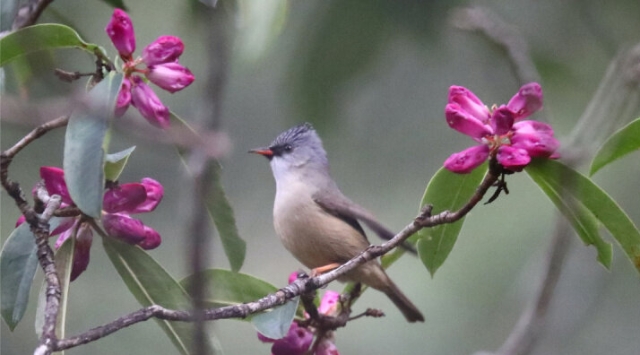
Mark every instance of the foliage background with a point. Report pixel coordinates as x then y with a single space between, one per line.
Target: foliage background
373 77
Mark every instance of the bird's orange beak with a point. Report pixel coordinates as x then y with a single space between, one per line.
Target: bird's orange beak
266 152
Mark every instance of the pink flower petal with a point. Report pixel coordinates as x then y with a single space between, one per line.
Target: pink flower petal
293 276
502 120
463 122
163 50
54 182
512 158
296 342
124 98
329 302
23 219
154 194
467 160
81 255
536 145
151 240
527 101
65 224
123 227
170 76
124 197
326 347
148 103
120 30
469 102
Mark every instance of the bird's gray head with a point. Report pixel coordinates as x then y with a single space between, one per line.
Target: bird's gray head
296 150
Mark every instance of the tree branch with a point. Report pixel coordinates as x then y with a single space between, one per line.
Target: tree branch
298 287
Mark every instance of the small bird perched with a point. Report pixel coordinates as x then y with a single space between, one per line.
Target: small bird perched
316 222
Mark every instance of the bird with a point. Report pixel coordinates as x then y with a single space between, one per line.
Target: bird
316 222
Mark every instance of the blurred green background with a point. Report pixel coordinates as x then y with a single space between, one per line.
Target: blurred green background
373 77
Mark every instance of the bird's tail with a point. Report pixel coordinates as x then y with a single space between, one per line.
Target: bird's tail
408 309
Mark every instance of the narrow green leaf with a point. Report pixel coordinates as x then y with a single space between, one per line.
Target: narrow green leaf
115 163
151 284
564 181
18 265
83 152
41 37
64 264
275 323
223 217
229 288
445 191
621 143
219 208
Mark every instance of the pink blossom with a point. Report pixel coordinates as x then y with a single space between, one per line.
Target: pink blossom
154 193
120 30
170 76
54 183
165 49
124 197
148 103
329 303
124 98
500 131
121 226
162 68
296 342
326 347
84 238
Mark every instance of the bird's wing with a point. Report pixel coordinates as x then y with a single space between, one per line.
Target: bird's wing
340 206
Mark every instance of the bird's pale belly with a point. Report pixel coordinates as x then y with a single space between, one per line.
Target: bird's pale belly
315 237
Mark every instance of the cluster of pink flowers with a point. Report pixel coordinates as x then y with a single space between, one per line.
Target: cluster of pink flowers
501 131
119 202
161 68
299 339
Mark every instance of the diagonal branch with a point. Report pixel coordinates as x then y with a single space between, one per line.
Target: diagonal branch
298 287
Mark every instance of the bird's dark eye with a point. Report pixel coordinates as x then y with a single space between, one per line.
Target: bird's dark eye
287 148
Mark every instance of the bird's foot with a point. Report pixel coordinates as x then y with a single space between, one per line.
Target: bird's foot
322 269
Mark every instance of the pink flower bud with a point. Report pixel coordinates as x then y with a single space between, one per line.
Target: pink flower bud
502 120
20 220
149 105
123 227
124 98
326 347
154 194
124 197
81 252
512 158
329 302
151 239
293 276
170 76
296 342
120 30
163 50
469 102
536 138
54 182
465 161
463 122
527 101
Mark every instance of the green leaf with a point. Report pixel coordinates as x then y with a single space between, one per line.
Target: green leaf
18 265
115 163
151 284
83 161
621 143
568 188
223 217
229 288
64 264
275 323
445 191
41 37
219 208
